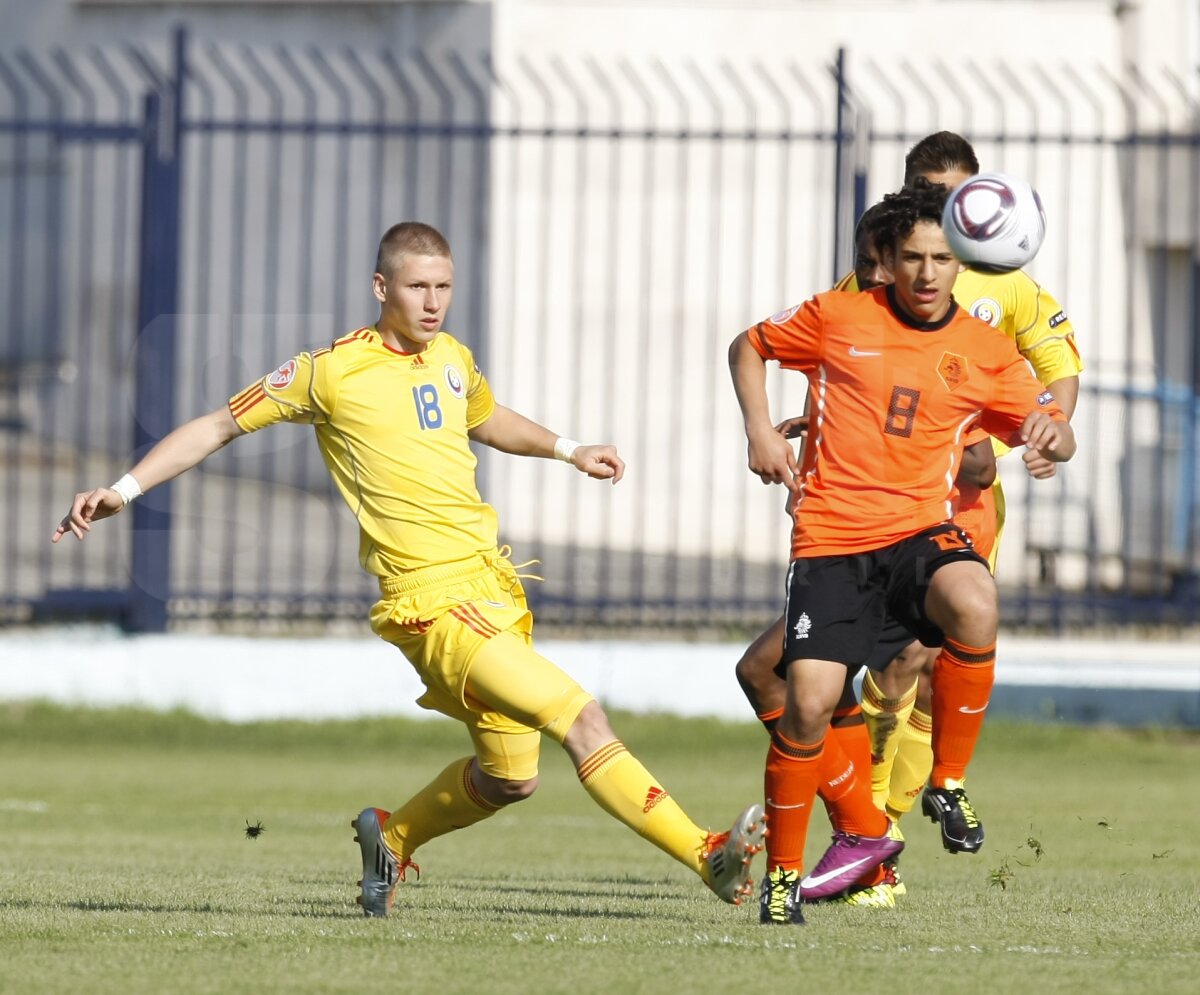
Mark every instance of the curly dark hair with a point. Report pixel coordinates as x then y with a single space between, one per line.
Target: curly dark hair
877 224
923 201
872 225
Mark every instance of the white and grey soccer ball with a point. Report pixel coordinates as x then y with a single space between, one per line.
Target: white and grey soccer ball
994 221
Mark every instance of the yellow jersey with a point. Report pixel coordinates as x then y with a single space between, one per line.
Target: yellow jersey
392 429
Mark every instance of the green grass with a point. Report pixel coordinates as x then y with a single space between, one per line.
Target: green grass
124 867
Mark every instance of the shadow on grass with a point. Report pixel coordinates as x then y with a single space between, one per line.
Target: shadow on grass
92 905
597 897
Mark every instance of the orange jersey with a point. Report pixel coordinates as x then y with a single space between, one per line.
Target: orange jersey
893 403
976 516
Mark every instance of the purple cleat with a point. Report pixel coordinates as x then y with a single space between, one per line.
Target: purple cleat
848 858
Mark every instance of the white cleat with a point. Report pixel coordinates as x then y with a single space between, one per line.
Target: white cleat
725 861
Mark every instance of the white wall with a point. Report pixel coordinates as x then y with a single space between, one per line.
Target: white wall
921 28
243 679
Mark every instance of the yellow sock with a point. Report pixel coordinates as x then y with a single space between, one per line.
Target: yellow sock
914 761
446 803
886 719
620 785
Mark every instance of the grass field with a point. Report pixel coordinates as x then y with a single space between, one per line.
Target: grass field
124 867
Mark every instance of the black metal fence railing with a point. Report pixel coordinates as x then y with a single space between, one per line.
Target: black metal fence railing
178 220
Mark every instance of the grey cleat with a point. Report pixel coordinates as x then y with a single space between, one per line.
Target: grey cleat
725 862
382 872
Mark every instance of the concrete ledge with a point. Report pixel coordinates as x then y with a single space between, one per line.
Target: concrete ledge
241 679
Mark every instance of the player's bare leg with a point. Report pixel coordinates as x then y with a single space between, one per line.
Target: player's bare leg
757 674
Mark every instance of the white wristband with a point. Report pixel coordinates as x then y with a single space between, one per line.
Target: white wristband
128 488
564 449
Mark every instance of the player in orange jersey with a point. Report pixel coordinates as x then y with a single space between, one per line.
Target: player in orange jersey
896 707
761 671
394 407
899 375
899 717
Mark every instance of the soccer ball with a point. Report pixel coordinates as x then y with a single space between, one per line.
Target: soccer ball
994 222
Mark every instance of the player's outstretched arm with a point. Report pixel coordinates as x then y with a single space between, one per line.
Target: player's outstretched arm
770 455
179 451
511 432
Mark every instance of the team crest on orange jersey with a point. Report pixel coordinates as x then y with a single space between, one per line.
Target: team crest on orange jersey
953 370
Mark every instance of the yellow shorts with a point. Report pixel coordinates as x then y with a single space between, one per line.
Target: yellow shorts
1001 512
467 630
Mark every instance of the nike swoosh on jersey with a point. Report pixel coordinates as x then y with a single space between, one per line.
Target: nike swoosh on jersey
856 351
814 882
972 711
773 804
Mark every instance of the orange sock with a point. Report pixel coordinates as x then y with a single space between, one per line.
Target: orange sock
770 719
873 877
962 683
845 784
792 775
849 731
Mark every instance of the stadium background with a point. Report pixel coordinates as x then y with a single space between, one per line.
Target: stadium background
191 192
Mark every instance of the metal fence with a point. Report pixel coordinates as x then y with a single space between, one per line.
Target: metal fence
177 221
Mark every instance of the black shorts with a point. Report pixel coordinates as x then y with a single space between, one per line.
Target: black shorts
893 638
863 608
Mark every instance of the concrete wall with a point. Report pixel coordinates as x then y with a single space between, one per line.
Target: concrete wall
1121 682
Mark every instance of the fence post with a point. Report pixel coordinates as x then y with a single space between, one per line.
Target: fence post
839 155
155 368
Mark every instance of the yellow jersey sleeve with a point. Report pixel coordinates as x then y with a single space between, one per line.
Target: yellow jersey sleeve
480 401
1044 334
848 283
1017 305
295 392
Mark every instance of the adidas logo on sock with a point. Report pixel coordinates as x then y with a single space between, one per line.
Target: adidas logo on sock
653 797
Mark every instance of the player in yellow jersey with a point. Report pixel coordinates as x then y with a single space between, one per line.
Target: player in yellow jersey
394 407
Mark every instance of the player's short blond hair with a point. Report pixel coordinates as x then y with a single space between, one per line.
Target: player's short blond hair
408 238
